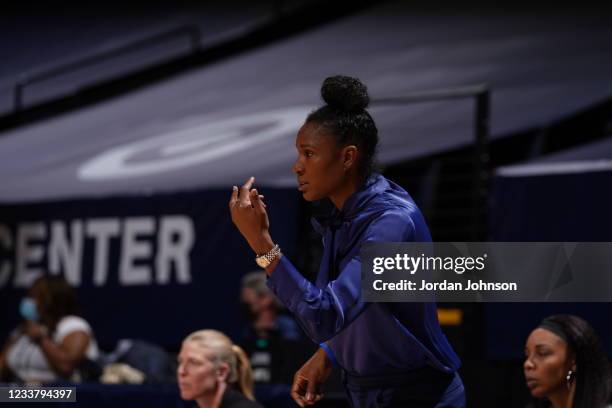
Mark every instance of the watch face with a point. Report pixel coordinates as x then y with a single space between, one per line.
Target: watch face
262 262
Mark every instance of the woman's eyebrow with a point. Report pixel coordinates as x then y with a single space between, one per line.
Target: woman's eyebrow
305 145
540 345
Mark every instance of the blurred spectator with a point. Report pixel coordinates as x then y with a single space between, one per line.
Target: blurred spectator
137 361
52 343
214 372
273 340
262 310
566 365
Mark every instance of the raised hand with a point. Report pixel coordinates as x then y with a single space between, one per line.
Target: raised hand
248 212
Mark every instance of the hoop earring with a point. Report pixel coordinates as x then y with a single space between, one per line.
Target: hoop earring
569 378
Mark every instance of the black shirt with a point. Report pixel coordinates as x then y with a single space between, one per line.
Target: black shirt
235 399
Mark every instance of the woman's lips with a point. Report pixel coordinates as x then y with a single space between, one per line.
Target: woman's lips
302 186
531 383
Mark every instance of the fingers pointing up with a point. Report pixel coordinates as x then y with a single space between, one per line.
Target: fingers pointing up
233 198
244 192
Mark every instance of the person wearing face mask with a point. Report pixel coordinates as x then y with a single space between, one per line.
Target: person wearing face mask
272 340
52 343
566 365
263 310
214 372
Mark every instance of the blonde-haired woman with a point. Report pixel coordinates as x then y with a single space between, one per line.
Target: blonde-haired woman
215 372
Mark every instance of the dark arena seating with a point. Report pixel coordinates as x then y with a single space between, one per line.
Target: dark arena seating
123 128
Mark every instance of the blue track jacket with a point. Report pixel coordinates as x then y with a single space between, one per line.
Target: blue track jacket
365 339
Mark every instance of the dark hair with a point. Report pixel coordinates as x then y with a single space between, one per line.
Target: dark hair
592 365
59 299
344 115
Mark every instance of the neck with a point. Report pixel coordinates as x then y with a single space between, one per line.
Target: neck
340 197
563 398
212 400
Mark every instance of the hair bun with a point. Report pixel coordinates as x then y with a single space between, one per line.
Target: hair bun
345 93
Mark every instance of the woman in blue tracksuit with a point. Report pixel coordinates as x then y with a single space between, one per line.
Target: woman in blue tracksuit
390 354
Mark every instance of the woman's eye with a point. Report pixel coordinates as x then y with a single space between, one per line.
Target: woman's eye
308 154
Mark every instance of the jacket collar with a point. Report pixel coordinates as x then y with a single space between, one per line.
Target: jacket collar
375 184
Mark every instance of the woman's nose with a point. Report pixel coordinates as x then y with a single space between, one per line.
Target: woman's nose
528 364
297 167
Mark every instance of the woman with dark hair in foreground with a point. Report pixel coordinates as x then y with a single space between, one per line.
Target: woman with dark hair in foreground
566 365
391 355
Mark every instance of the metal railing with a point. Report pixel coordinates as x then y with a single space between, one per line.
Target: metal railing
481 94
191 32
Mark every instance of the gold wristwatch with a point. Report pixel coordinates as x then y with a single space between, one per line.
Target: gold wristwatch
266 259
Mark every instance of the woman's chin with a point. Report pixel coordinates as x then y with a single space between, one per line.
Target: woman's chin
186 395
537 392
308 196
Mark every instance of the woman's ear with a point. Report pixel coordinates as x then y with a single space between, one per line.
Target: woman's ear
571 357
223 372
349 156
